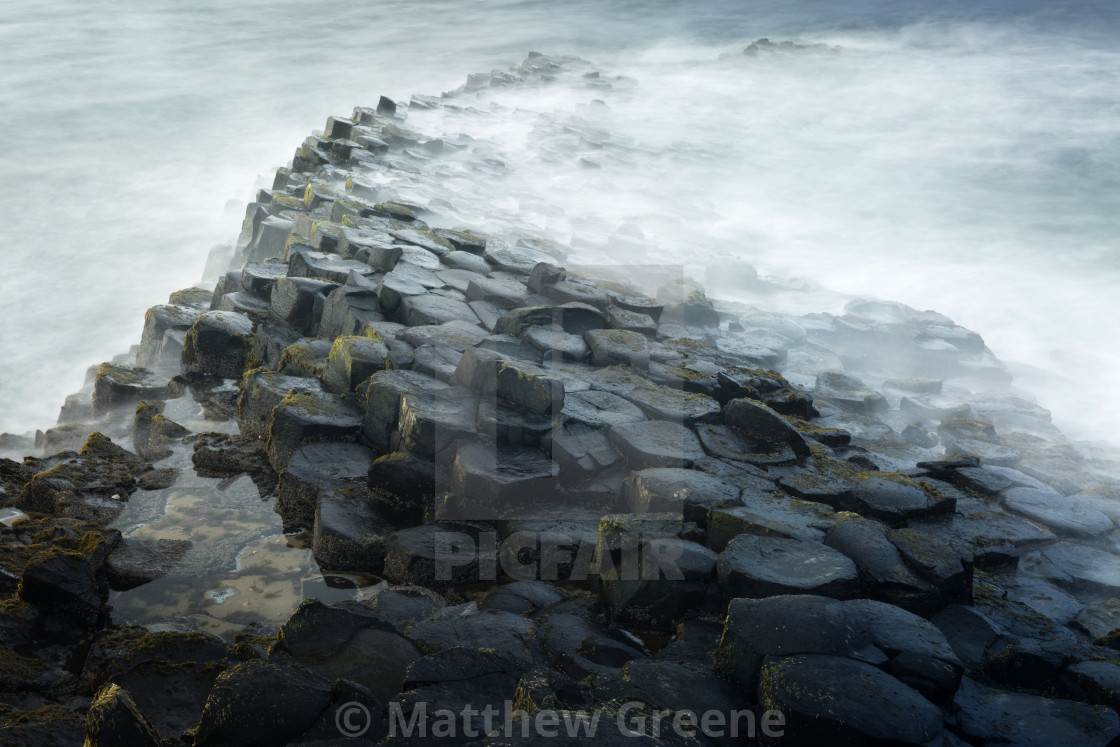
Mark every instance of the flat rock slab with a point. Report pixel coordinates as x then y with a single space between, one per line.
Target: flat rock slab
580 452
831 700
728 442
865 541
1100 619
381 397
996 716
679 406
504 292
894 499
555 341
523 384
456 334
656 443
850 393
121 386
993 536
690 492
610 347
768 515
1073 565
754 566
597 409
1063 515
352 360
433 309
310 264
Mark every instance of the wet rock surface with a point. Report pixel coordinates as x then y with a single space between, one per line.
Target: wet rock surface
502 471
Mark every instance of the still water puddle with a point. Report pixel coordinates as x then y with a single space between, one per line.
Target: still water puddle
239 568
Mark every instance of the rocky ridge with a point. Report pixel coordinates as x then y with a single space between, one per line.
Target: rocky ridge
584 489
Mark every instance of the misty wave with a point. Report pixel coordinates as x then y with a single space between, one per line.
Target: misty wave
956 158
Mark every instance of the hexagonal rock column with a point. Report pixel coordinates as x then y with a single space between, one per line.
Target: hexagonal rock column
754 566
351 361
309 417
760 422
315 467
218 344
656 443
261 391
531 387
499 481
676 577
120 386
349 533
439 556
381 395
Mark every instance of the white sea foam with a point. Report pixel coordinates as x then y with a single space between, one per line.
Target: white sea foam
962 159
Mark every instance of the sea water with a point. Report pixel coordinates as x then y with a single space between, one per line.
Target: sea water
953 157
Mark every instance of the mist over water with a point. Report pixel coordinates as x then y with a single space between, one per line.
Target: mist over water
950 157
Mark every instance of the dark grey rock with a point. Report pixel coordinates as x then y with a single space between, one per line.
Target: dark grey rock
466 261
597 409
676 405
631 321
347 309
217 345
689 492
457 334
490 481
674 579
138 560
439 361
512 426
768 515
257 701
348 532
611 347
433 555
352 360
894 498
299 302
758 628
120 386
655 443
156 353
433 309
580 453
1064 515
504 291
945 562
556 342
728 442
985 713
309 417
833 699
316 467
754 566
760 422
849 392
531 387
261 391
430 421
114 719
